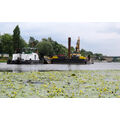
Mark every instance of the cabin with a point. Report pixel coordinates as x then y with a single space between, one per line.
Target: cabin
24 57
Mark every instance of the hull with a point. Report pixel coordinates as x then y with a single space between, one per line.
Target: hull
25 62
68 61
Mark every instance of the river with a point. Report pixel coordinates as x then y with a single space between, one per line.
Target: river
48 67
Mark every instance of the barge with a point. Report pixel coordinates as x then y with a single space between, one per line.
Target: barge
75 59
72 58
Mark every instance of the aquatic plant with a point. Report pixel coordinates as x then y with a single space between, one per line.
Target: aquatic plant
66 84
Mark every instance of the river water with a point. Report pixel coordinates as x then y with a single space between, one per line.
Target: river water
48 67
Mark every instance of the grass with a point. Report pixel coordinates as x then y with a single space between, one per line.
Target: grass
65 84
3 60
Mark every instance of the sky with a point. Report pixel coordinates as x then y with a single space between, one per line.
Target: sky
98 37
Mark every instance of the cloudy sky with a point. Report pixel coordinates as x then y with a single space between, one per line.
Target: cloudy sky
96 37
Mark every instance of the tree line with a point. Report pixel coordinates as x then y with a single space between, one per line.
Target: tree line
14 43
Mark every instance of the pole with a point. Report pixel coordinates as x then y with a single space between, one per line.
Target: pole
69 47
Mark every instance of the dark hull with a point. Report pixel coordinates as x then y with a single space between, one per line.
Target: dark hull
25 62
68 61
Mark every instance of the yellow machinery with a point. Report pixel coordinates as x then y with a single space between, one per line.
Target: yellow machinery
74 58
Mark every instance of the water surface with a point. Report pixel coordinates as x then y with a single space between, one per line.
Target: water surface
48 67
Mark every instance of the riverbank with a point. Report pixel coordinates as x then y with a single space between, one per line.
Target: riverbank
65 84
3 60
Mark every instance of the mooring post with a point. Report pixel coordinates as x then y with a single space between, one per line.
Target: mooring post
69 47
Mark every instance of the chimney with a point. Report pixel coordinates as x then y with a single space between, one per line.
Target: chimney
69 47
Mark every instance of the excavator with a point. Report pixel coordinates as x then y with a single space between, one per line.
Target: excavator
72 58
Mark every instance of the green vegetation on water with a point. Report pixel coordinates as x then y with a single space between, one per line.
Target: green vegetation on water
66 84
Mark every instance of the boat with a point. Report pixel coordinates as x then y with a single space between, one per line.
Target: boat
25 58
75 59
72 58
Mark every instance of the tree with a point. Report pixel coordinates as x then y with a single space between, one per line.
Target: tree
72 49
83 52
86 53
89 53
55 46
6 43
18 42
33 42
58 48
50 47
98 56
16 39
62 50
23 43
45 48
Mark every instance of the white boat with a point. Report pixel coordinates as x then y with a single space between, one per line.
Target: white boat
23 58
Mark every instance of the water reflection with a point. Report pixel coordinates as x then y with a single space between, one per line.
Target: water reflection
69 67
49 67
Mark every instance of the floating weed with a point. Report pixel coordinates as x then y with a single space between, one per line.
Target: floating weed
73 74
45 86
81 92
60 84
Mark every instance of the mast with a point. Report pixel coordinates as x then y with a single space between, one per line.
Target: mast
69 47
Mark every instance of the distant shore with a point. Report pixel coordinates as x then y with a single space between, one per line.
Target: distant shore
3 61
